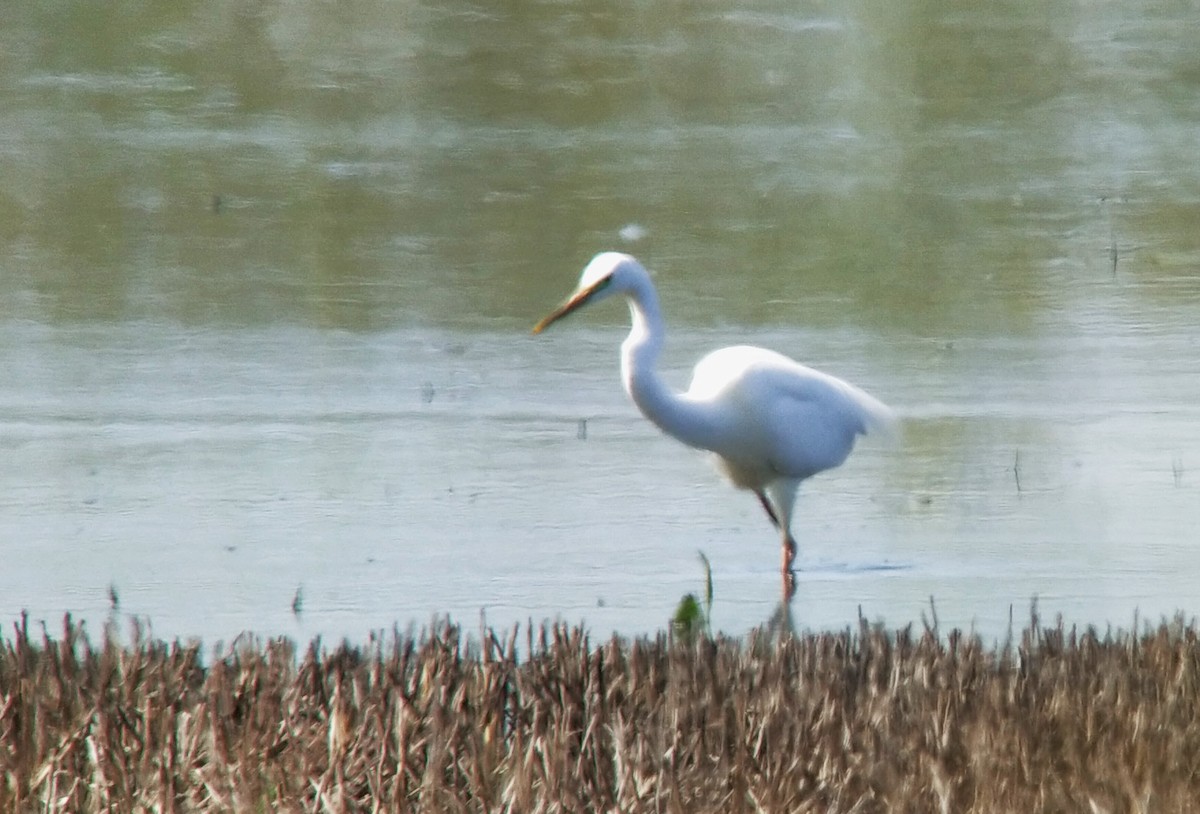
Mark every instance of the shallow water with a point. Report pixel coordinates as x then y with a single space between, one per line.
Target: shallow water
269 277
397 475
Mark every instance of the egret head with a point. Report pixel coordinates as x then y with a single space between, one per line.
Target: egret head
609 273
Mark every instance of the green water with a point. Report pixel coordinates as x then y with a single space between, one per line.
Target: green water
268 272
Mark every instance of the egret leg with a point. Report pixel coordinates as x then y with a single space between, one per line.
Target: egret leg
766 504
789 551
789 575
789 547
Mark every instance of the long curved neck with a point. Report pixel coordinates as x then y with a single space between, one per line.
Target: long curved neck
672 412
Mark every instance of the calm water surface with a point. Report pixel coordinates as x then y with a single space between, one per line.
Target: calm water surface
268 277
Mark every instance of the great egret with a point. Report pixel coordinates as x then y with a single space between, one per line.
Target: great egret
770 422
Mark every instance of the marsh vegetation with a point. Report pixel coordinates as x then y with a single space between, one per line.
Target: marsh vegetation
548 719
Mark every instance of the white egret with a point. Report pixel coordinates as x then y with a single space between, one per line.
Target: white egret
770 422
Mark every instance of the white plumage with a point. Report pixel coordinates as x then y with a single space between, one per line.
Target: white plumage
771 422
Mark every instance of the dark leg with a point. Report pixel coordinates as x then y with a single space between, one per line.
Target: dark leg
766 504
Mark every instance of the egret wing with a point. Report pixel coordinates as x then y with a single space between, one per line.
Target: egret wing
803 420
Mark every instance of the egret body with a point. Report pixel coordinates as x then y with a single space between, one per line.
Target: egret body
769 421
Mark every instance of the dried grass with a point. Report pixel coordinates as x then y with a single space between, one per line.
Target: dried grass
864 720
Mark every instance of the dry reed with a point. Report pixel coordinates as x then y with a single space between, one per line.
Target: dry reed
863 720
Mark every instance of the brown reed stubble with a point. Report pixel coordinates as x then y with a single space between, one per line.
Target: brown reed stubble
862 720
